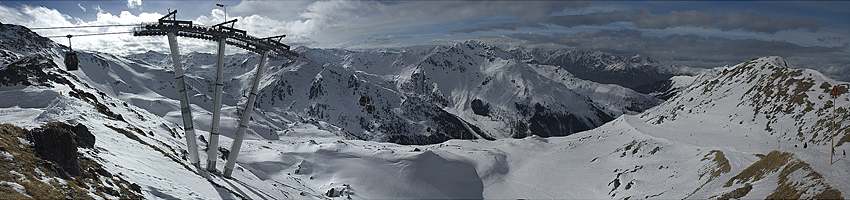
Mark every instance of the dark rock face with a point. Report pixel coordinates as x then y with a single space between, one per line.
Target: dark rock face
83 136
662 89
332 193
626 78
29 71
594 66
57 142
545 122
479 108
224 153
446 125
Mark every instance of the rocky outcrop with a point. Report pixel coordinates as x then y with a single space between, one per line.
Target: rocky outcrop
42 155
57 142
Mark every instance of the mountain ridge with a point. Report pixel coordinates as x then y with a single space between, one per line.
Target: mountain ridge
728 134
444 80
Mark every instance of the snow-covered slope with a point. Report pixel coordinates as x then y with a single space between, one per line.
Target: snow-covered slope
753 130
131 102
468 90
790 104
689 147
700 153
753 108
133 146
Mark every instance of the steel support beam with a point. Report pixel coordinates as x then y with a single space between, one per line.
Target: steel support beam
231 21
185 109
246 116
212 147
168 15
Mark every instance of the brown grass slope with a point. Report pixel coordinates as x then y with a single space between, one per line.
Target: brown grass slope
40 178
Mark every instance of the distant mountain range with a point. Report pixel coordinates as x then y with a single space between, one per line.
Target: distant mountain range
468 120
467 90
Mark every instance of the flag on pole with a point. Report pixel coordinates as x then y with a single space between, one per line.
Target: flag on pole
219 5
834 90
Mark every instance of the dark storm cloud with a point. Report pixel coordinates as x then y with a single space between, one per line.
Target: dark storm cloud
689 50
522 10
589 19
762 23
644 19
565 21
498 26
384 39
830 39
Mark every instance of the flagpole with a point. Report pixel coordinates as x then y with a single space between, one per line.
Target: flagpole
832 138
225 10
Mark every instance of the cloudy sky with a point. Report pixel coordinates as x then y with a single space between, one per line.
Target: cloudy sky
704 34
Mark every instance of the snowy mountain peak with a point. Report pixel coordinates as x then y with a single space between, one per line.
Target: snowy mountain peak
763 93
774 61
466 90
22 40
758 129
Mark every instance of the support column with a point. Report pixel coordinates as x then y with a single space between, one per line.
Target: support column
246 116
185 109
212 148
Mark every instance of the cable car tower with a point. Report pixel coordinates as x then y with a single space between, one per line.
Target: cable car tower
171 27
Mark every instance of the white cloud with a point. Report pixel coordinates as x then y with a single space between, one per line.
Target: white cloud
81 7
97 8
324 24
134 3
370 24
122 44
350 23
296 31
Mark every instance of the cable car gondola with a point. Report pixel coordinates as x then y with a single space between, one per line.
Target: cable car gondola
71 60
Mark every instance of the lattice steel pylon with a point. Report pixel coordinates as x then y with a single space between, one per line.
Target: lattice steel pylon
224 36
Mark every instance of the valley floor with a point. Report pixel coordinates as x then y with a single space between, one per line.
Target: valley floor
625 158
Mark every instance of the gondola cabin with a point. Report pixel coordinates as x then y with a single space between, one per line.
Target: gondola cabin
71 61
